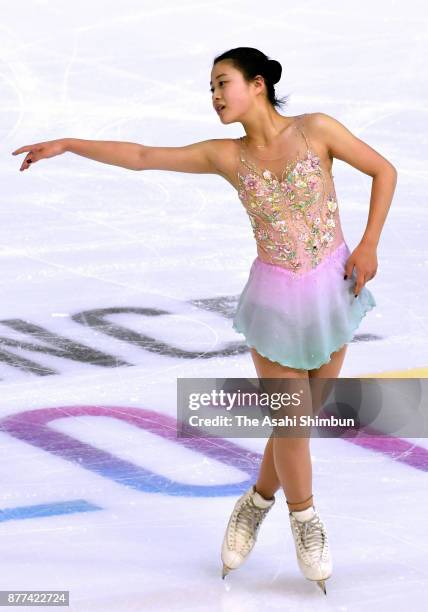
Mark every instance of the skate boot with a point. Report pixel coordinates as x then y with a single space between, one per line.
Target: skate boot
312 549
242 529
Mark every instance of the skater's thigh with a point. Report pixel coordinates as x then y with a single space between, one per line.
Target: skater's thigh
320 388
287 380
266 368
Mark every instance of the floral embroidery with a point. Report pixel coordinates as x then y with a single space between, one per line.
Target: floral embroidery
289 210
332 204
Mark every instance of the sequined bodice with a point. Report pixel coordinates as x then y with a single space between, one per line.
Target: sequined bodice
295 215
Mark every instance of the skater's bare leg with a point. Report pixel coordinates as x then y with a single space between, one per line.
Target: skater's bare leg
327 370
268 482
294 467
286 462
301 483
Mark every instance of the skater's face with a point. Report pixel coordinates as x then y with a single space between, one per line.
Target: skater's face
230 89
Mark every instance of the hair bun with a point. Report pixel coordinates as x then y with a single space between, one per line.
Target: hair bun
275 70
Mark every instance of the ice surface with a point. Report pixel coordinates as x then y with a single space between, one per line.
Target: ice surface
115 283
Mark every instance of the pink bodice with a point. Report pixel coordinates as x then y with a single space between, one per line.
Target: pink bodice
295 214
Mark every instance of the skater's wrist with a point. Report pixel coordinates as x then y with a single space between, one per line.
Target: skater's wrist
369 241
66 144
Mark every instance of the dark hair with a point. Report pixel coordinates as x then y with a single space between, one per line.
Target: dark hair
252 62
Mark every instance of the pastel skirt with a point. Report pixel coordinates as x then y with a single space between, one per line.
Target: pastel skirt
299 320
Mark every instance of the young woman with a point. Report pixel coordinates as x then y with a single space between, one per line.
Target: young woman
305 295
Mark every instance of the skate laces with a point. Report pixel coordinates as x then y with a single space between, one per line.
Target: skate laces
248 520
312 537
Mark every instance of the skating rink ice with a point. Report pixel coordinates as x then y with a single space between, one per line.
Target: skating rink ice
114 283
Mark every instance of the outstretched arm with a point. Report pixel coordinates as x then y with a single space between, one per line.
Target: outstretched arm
200 157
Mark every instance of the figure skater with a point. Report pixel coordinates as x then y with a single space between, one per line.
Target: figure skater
305 295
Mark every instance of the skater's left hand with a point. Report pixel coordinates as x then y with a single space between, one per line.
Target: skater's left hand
364 258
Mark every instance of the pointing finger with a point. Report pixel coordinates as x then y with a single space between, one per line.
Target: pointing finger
32 147
21 150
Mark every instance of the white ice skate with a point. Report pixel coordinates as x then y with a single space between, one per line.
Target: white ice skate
312 549
242 529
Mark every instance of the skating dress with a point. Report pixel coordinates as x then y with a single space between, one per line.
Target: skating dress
296 308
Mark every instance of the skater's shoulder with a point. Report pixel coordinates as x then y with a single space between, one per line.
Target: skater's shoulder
317 119
224 145
223 148
318 124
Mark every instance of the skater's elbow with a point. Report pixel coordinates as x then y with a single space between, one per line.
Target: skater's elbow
387 169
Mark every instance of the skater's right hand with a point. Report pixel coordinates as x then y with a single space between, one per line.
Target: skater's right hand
41 150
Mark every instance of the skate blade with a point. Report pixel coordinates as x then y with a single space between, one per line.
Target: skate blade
321 584
225 571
